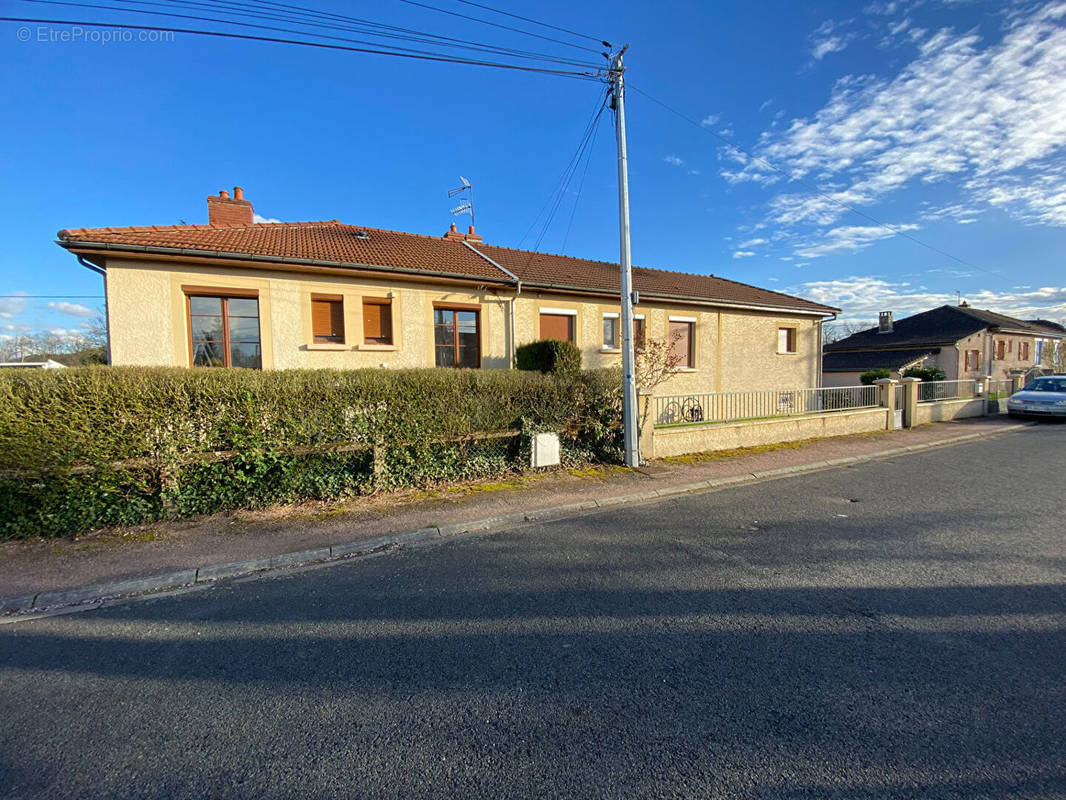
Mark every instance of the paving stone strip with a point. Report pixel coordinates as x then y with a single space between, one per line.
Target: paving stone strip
20 607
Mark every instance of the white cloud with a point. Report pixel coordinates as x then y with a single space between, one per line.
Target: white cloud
861 298
743 253
673 160
693 172
990 118
710 120
261 219
850 239
72 309
752 243
12 306
828 38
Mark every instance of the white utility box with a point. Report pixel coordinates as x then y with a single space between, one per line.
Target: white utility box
545 450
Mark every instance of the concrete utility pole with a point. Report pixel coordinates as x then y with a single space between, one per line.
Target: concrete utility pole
629 388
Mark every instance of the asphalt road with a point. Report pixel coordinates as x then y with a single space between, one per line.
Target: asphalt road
891 630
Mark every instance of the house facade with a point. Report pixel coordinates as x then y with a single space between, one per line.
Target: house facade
965 342
329 295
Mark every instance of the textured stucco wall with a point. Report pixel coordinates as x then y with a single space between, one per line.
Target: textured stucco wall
731 435
734 350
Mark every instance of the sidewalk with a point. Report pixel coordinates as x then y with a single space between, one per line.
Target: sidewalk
44 574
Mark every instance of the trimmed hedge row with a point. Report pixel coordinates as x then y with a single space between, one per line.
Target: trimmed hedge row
89 447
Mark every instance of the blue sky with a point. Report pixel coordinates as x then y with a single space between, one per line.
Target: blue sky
945 120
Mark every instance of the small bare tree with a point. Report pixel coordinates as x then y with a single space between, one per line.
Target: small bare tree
656 360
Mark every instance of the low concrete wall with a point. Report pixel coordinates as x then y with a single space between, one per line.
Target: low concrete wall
706 437
946 410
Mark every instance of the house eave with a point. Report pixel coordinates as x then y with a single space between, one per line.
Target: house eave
90 249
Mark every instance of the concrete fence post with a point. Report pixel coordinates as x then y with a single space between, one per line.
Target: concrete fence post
886 389
910 401
645 425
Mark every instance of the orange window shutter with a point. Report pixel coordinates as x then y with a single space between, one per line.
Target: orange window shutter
377 321
557 326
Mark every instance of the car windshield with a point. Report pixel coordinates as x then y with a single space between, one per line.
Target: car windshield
1046 385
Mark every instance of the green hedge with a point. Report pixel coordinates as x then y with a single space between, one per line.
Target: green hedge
83 448
549 355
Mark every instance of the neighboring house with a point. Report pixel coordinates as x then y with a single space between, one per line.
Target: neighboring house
965 342
46 364
326 294
1050 346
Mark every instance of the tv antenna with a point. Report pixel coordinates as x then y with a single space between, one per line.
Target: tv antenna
467 204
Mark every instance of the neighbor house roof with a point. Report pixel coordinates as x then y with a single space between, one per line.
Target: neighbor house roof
940 326
1047 327
333 244
874 359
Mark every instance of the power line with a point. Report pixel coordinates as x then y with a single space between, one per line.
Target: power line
564 179
498 25
198 18
311 18
535 22
812 187
438 57
581 183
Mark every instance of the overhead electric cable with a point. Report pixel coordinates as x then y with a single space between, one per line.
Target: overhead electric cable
498 25
581 183
813 187
563 178
438 57
252 25
326 21
534 21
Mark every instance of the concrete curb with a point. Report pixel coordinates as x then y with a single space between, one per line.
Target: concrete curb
19 607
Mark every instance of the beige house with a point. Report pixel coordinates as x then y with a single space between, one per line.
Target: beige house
963 341
325 294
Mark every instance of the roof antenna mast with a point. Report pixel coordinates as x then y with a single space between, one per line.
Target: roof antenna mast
466 206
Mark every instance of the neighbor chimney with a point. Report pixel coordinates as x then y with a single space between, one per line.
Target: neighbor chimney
884 322
224 212
471 236
453 233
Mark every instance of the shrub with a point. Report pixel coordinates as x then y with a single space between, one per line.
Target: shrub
926 373
89 447
549 355
869 377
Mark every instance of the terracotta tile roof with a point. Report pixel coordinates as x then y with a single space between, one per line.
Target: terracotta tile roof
331 241
359 247
546 269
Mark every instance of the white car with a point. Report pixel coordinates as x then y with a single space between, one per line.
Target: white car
1041 397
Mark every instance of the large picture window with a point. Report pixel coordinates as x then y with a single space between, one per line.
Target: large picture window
224 331
456 339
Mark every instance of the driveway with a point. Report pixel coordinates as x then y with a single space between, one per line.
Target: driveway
891 630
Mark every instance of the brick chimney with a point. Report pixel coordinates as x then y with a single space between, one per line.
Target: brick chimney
884 322
226 212
454 235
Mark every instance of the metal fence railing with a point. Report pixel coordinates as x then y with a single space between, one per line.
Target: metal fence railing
683 409
997 393
933 391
